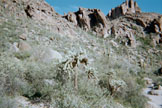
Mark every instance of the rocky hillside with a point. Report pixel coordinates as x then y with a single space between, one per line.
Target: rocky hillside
122 20
80 60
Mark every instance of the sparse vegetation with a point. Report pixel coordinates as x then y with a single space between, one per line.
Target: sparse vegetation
92 74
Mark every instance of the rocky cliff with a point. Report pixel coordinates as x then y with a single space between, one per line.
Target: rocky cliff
131 15
128 7
29 8
89 19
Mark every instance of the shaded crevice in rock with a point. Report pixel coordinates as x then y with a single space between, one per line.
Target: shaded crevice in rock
27 11
155 27
93 20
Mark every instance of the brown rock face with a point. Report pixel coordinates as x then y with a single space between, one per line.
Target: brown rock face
39 10
35 9
89 19
128 7
158 24
146 20
155 25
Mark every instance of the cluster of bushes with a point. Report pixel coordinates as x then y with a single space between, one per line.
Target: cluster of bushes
71 83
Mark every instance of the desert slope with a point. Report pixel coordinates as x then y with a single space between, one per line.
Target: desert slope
80 60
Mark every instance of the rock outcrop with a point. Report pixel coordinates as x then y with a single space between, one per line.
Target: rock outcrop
158 22
39 10
157 25
89 19
35 9
128 7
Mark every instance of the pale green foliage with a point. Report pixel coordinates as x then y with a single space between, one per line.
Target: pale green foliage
117 83
7 102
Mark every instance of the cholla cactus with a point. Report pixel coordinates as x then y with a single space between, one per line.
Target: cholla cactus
73 62
115 85
91 73
69 66
114 82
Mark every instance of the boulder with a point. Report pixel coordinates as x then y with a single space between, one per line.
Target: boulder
23 46
148 80
72 18
132 40
23 36
51 54
159 87
114 43
128 7
156 92
89 19
46 55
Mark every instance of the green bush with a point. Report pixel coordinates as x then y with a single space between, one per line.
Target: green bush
22 55
131 95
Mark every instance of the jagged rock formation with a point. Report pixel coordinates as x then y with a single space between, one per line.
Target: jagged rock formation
128 7
89 19
126 26
158 28
156 25
95 20
39 10
35 9
159 23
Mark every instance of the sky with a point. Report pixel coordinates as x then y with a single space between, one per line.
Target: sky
65 6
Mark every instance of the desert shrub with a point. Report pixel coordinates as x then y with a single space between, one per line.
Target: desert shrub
140 81
39 77
11 71
111 82
7 102
135 98
131 95
69 101
87 94
8 33
145 42
24 78
157 80
22 55
118 71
